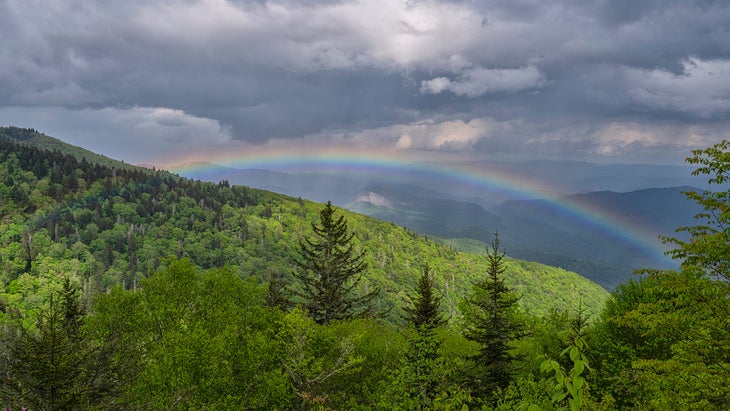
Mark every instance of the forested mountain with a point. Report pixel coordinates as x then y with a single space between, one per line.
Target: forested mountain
32 138
111 225
126 288
537 229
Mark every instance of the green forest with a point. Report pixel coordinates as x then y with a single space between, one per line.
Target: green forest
132 288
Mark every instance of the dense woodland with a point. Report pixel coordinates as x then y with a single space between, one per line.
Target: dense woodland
128 288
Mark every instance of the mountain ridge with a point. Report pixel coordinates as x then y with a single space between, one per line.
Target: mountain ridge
34 138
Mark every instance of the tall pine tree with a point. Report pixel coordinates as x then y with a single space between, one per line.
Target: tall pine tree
330 270
48 366
423 313
421 374
492 321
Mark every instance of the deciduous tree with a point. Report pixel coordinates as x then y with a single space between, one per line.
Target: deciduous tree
674 326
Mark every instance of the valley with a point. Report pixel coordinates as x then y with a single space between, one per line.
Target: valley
604 235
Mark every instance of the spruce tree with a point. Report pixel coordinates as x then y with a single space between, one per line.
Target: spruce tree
276 295
491 320
424 311
47 364
329 270
420 374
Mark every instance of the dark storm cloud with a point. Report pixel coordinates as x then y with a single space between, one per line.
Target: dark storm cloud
582 78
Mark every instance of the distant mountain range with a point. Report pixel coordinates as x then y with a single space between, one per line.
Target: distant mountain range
559 178
542 230
538 229
572 177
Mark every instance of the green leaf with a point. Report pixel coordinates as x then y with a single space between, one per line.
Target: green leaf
578 383
578 368
571 389
558 396
574 353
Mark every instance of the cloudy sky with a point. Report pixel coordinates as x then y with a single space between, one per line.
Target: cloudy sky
151 81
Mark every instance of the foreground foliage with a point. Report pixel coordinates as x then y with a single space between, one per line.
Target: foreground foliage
664 340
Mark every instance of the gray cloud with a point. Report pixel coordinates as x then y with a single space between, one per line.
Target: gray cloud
133 134
549 77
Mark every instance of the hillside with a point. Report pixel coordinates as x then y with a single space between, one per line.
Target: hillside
30 137
644 197
117 226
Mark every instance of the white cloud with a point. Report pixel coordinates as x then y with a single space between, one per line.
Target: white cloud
446 135
435 85
623 141
404 142
627 139
477 81
170 126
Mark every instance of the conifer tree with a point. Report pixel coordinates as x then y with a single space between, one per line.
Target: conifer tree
424 311
330 270
47 366
420 374
275 296
491 320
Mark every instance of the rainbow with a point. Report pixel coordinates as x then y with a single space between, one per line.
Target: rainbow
479 180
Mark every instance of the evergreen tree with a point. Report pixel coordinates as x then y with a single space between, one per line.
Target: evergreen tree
423 313
330 270
420 373
47 367
275 296
491 320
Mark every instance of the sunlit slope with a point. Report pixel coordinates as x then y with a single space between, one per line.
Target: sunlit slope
396 256
116 227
